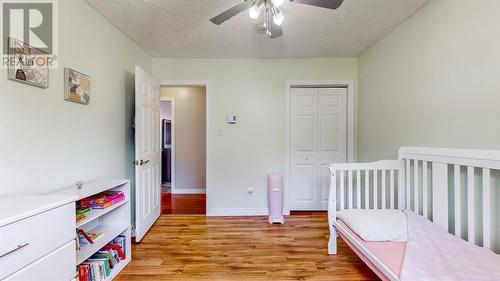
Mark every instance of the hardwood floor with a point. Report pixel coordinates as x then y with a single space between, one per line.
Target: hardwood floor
241 248
183 204
308 213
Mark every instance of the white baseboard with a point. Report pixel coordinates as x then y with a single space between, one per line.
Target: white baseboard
237 212
188 191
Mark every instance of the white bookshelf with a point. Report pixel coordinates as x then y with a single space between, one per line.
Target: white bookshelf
109 233
112 221
97 213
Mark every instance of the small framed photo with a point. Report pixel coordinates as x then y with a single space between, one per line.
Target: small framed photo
27 64
76 86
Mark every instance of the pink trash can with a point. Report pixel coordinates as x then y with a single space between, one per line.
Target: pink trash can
275 198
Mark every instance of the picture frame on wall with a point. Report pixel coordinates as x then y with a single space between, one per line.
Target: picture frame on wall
76 86
27 64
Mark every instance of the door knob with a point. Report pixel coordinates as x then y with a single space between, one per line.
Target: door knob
141 162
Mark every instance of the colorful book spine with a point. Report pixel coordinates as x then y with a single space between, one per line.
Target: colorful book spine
83 211
102 200
100 265
109 203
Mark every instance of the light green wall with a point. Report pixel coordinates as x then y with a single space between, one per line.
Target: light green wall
254 90
433 81
47 143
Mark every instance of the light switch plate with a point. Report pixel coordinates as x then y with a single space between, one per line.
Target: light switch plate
231 118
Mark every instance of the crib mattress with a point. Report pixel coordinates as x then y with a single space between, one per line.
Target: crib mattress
390 254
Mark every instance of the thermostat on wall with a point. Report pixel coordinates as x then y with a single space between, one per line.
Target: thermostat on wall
231 118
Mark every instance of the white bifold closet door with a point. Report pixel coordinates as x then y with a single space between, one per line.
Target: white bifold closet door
318 136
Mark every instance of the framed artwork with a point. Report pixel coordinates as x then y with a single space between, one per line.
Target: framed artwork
76 86
29 64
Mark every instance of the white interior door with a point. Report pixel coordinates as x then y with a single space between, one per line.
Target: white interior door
318 136
147 153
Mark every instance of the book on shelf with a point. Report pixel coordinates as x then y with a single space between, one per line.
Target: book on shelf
109 255
86 237
102 200
117 248
82 211
81 214
95 271
121 241
100 265
103 264
80 218
84 272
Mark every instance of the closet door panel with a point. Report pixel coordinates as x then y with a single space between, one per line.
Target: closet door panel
318 134
304 149
332 134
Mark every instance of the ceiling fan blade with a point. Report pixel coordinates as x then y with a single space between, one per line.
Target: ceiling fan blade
329 4
276 30
224 16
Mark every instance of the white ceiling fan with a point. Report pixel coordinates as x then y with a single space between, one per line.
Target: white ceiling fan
273 17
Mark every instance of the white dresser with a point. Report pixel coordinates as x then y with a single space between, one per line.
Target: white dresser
37 238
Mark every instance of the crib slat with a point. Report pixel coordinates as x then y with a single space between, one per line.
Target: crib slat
408 184
440 214
358 190
392 189
375 189
458 204
333 183
349 190
486 208
342 187
400 200
425 190
367 189
384 206
415 186
470 205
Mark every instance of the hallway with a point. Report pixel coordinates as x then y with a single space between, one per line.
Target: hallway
183 204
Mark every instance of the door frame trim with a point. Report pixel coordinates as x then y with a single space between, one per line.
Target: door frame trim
172 142
196 83
351 125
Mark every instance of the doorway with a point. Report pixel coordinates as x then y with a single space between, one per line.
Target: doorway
166 106
183 119
320 132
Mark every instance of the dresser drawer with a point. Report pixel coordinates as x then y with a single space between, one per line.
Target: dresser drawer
58 265
28 240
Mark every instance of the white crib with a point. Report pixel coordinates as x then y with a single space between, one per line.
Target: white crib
454 188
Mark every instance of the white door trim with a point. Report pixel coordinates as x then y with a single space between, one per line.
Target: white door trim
172 141
351 136
194 83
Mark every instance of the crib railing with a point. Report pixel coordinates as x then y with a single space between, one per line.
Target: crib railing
365 185
362 186
454 188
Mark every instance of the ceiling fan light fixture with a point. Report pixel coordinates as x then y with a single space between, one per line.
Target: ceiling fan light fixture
256 9
272 16
278 16
278 3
